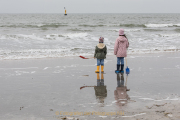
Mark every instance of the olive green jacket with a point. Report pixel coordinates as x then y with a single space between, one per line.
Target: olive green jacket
100 51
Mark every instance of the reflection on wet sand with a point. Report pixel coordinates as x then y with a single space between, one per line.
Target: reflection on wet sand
120 93
100 89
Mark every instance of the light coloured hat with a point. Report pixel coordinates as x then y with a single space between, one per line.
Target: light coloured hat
121 32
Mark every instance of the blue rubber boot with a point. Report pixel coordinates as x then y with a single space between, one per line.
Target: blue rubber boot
117 71
122 68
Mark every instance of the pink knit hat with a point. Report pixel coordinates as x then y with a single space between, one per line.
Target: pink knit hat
121 32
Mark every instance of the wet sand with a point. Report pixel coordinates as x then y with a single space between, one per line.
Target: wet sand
44 89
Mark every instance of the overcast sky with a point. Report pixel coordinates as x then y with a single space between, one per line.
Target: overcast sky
90 6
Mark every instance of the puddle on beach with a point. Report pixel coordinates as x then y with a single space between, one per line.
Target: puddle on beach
49 89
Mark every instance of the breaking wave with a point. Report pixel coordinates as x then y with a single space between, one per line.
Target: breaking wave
147 25
76 30
86 25
161 25
41 53
43 37
67 52
127 30
132 25
57 25
152 30
52 25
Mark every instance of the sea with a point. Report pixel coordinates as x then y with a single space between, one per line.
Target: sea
32 36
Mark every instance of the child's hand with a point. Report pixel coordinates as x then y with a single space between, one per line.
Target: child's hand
94 57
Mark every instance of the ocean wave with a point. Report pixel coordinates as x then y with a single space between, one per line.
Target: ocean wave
170 35
162 25
42 37
177 29
39 53
52 25
153 30
75 35
66 36
57 25
69 52
145 25
20 37
132 25
86 25
76 29
126 30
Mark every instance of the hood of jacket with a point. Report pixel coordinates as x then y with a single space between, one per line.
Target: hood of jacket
121 39
100 45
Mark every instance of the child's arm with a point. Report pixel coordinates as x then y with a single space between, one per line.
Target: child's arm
116 47
127 44
95 52
105 50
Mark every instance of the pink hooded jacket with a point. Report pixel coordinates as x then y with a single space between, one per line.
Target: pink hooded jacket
120 47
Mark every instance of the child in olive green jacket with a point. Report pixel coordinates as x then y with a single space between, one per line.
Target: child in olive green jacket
100 54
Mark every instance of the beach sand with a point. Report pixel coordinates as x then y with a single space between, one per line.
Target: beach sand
49 89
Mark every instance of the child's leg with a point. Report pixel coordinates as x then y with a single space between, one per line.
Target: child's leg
98 62
98 65
118 64
102 62
118 60
122 64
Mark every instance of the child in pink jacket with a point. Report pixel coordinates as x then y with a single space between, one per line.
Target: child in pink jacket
120 50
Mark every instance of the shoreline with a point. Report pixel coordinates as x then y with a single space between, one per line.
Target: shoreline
74 56
37 88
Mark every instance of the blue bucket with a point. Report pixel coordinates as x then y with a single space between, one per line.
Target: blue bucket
127 70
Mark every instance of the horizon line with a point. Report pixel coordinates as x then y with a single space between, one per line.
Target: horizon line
89 13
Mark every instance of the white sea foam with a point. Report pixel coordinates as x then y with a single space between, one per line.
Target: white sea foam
43 37
40 53
161 25
171 35
127 30
133 30
20 36
40 25
159 100
146 98
23 72
109 105
135 115
114 101
76 35
135 96
45 68
34 39
172 99
68 52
